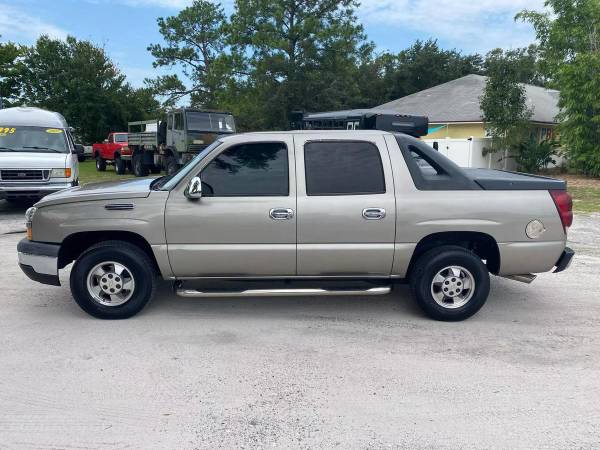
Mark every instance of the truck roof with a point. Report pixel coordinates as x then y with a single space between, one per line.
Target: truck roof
321 132
25 116
202 110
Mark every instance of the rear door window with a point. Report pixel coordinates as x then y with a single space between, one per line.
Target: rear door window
343 168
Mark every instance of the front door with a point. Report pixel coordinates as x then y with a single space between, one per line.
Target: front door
245 222
346 207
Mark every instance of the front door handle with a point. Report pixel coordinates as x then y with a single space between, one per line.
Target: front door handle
373 213
281 214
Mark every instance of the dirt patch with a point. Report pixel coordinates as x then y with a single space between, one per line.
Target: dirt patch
579 181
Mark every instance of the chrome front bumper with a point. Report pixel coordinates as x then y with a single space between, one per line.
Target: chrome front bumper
39 261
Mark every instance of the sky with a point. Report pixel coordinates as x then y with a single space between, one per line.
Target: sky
126 27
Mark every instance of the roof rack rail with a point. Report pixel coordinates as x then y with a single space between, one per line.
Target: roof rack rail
361 119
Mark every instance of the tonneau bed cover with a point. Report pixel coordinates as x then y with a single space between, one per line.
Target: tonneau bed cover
502 180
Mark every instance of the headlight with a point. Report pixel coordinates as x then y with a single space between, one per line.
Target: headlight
60 173
29 219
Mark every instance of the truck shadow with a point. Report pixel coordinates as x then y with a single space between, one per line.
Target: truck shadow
398 303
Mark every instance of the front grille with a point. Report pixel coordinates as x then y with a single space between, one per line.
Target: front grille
196 148
24 175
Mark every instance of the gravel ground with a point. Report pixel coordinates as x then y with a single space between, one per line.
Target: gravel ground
303 372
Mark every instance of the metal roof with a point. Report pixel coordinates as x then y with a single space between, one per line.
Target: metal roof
22 116
458 101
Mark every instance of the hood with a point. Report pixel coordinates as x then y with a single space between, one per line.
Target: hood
137 188
32 160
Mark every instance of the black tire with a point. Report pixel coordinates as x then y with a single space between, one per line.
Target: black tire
155 169
120 166
133 259
139 168
100 164
171 165
433 262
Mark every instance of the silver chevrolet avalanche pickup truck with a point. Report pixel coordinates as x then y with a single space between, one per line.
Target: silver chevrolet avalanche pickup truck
302 213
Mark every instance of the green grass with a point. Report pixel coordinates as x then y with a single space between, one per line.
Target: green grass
585 199
89 174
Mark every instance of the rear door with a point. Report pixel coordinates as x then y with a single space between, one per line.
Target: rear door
346 206
245 223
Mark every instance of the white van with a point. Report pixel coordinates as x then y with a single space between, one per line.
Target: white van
37 154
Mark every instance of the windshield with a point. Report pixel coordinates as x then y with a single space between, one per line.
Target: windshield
120 137
202 121
32 139
170 181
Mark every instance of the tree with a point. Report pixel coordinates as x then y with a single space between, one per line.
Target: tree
195 41
569 42
525 60
298 54
424 65
504 102
10 73
78 79
387 77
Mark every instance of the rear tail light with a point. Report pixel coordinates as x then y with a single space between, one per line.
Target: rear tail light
564 205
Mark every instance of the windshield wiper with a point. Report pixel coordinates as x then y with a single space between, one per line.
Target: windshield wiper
6 149
36 147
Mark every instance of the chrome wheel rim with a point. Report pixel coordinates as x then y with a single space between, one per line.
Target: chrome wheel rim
110 283
453 287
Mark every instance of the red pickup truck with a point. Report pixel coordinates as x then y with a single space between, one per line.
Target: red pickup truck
114 150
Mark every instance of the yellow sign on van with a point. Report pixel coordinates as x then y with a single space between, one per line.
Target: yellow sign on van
53 130
6 130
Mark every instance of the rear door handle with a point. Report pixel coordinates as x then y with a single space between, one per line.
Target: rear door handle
281 214
373 213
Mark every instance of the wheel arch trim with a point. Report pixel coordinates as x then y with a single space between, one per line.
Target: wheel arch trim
482 244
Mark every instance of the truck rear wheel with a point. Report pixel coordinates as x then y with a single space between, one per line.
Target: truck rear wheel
450 283
139 168
120 166
100 164
113 280
171 165
155 169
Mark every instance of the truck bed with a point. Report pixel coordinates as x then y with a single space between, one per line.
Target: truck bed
148 139
501 180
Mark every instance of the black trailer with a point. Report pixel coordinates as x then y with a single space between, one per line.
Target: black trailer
361 119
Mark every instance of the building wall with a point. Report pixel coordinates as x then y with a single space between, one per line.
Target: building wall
456 130
465 144
477 130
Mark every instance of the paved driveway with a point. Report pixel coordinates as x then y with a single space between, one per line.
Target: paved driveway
303 372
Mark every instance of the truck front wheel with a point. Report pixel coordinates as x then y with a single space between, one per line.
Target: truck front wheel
113 280
139 168
100 164
450 283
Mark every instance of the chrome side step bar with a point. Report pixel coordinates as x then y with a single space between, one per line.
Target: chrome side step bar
192 293
523 278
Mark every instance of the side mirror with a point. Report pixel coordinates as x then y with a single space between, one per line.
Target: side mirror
79 149
193 191
105 141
